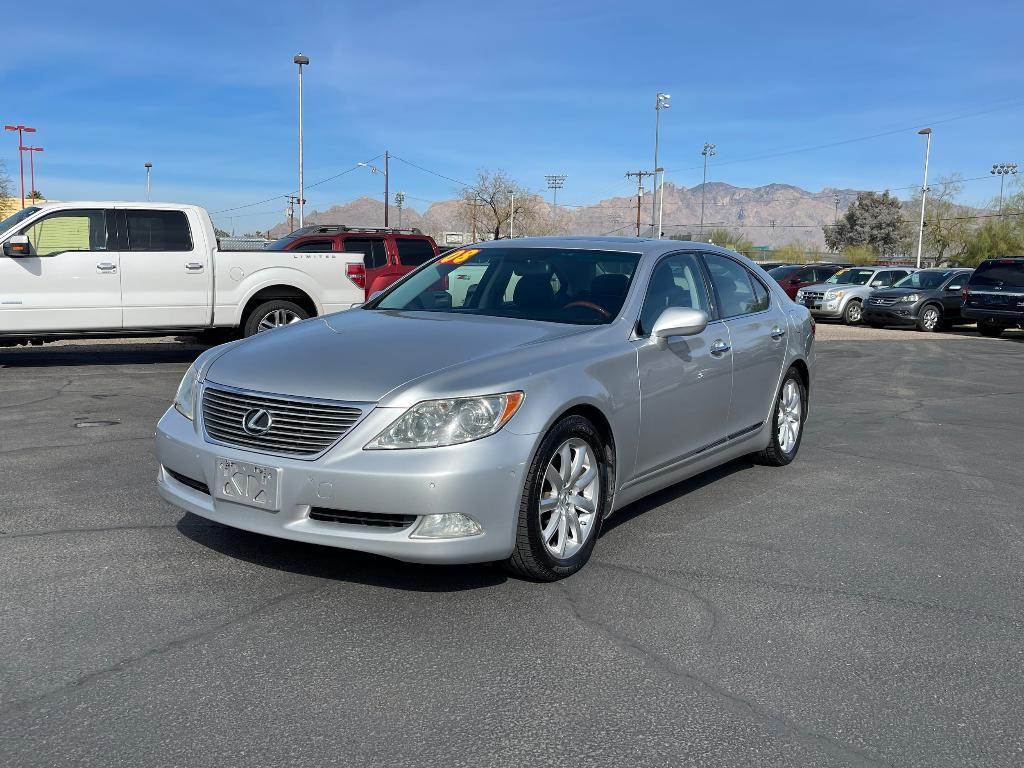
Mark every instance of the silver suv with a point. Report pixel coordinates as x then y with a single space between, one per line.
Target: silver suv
842 296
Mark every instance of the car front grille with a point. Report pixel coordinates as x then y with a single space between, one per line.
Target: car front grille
882 302
359 518
814 295
297 427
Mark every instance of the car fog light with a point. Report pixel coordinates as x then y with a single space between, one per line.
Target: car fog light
450 525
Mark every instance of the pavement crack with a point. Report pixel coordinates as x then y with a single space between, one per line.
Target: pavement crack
782 725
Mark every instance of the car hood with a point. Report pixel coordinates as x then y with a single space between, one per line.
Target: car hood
362 355
822 287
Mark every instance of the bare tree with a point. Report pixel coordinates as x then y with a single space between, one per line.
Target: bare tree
488 205
5 182
947 230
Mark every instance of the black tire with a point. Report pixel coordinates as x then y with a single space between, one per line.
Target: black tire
252 323
990 329
774 455
530 559
929 319
853 313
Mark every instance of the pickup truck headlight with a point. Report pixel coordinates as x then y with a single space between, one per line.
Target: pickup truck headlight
911 297
185 397
434 423
833 295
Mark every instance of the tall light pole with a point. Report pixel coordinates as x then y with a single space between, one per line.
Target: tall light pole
149 167
22 130
399 202
1002 170
33 193
301 60
511 212
708 151
661 101
555 182
384 173
924 190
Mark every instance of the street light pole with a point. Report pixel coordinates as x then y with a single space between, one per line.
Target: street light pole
661 101
22 130
924 190
149 167
301 60
708 151
555 182
32 169
384 173
1001 170
511 213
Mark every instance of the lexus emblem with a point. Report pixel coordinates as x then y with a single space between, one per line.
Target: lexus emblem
257 421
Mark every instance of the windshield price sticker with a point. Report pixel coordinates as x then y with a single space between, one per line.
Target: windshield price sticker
460 256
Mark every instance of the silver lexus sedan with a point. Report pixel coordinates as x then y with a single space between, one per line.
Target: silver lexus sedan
497 404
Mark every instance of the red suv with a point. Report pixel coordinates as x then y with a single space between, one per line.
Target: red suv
387 253
793 277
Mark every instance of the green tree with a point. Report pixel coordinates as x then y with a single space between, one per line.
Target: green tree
794 252
873 220
860 255
734 241
994 238
947 226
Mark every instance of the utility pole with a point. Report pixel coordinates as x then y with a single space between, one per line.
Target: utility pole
708 151
511 213
639 192
924 191
292 200
835 199
148 167
1001 170
386 156
555 182
660 103
399 202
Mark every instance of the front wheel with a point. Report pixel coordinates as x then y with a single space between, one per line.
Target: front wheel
930 319
271 315
853 313
787 422
567 492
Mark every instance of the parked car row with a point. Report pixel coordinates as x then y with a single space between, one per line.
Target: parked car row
929 299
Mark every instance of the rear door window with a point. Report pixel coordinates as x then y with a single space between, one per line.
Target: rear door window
158 231
313 246
374 251
999 274
413 252
732 284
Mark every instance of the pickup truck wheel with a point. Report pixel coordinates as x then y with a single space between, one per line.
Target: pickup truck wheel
853 313
786 422
271 315
568 488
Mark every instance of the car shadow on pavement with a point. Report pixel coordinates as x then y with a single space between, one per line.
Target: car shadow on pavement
667 495
98 354
336 564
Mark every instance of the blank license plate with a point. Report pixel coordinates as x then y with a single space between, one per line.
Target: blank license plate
245 483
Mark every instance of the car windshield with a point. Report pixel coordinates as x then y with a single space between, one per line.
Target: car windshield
781 273
997 274
21 215
925 279
851 277
555 285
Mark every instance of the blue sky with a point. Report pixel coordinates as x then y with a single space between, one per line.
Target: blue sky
207 93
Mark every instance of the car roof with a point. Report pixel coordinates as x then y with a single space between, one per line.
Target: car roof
641 245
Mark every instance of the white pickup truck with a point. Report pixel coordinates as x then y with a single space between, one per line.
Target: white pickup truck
102 268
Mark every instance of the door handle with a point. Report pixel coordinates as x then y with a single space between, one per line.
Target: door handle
106 266
194 266
777 332
720 347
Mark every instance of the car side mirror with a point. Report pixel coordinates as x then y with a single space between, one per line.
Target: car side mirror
679 321
18 246
876 284
954 288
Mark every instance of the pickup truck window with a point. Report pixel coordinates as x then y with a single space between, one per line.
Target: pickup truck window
158 231
315 246
372 248
73 230
413 252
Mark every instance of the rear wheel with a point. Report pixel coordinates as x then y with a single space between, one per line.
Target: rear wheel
787 422
273 314
929 319
565 500
990 329
853 313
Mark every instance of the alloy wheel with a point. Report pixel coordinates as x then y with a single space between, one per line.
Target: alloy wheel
789 421
930 318
276 318
570 497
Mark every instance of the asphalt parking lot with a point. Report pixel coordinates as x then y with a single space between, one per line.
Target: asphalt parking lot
863 606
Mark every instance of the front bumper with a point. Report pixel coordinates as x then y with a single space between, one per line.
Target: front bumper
894 314
482 479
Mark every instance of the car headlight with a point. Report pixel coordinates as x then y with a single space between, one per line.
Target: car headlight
911 297
833 295
434 423
800 294
185 397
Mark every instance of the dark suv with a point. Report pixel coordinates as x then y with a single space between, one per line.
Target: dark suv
388 254
994 296
793 278
928 298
